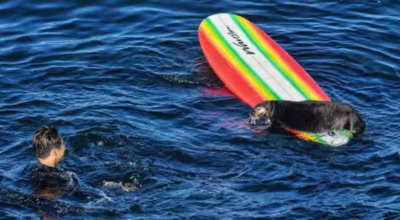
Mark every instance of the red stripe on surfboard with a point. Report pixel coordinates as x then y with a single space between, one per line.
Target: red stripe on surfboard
293 64
233 79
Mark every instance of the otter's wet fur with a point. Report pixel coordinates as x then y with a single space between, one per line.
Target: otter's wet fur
309 116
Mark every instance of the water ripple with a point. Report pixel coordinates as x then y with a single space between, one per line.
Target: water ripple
128 87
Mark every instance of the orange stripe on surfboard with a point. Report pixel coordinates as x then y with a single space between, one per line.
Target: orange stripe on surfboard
222 46
293 65
218 61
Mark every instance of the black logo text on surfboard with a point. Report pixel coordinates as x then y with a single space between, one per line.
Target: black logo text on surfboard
239 42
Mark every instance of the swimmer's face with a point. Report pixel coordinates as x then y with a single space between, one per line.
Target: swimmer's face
60 153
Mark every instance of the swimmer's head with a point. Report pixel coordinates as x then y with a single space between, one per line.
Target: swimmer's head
48 145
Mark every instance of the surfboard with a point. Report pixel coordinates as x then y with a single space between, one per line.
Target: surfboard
254 67
251 64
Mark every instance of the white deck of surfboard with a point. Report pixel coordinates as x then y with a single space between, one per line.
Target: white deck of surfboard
258 62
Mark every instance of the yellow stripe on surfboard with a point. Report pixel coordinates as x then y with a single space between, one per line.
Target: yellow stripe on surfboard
228 54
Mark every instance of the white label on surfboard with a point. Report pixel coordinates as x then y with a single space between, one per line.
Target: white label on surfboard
255 59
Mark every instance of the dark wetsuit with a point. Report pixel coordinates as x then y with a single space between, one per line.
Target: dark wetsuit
52 182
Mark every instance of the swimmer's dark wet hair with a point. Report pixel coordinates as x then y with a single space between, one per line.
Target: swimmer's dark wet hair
44 140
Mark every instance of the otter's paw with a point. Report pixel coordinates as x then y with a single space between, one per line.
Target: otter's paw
259 123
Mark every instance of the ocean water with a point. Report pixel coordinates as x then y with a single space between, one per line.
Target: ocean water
129 89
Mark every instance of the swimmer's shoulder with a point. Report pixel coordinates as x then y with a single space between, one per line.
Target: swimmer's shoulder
43 175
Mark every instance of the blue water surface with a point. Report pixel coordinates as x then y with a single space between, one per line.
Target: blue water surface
128 87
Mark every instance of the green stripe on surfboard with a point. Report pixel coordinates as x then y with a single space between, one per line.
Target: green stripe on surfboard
268 57
240 59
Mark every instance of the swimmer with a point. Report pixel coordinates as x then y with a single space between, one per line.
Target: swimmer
50 149
48 181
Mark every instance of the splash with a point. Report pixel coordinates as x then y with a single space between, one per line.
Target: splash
332 138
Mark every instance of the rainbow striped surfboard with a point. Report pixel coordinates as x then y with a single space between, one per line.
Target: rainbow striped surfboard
251 64
255 68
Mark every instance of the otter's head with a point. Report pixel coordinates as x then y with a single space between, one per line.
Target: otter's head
260 116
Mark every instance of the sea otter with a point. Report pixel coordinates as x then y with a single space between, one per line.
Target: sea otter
308 116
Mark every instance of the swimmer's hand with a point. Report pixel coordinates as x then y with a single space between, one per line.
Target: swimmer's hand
129 187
